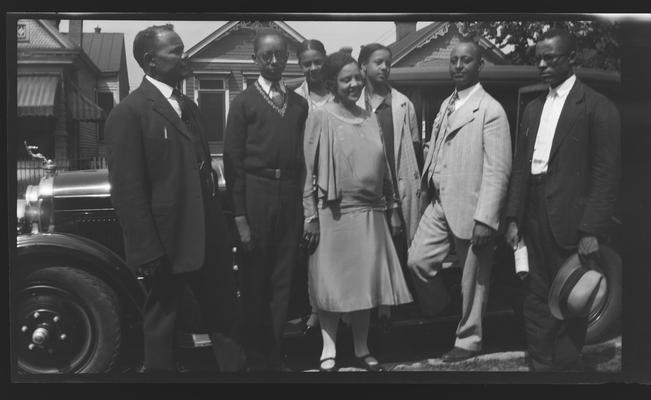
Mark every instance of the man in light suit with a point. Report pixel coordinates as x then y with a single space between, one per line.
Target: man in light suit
563 193
467 168
165 195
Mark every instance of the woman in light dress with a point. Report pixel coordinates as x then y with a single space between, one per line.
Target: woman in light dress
353 266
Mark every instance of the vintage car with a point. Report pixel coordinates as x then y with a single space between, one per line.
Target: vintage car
76 307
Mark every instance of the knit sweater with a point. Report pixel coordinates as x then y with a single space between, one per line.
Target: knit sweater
260 135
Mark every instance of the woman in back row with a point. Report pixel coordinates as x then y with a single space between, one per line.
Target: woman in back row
397 119
311 54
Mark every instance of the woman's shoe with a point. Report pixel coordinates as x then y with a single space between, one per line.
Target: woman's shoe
366 363
333 368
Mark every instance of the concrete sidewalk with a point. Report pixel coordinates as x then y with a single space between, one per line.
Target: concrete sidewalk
602 357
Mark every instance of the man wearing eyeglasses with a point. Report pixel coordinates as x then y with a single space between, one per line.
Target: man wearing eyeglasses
263 162
562 193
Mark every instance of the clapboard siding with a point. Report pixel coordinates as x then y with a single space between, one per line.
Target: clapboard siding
235 45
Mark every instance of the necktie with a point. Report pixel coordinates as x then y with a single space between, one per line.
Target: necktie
180 98
448 110
440 130
453 100
276 95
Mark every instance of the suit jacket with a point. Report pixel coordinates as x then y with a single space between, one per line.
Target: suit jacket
583 169
476 163
405 133
155 184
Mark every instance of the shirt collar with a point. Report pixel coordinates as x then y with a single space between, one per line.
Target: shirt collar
564 88
266 84
164 88
367 100
303 90
467 92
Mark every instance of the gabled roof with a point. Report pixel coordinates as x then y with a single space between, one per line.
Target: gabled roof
403 46
105 49
416 39
224 29
67 46
65 42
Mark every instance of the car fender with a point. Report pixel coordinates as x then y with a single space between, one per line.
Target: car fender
80 252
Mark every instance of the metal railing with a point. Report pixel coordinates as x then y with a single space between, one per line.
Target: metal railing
30 172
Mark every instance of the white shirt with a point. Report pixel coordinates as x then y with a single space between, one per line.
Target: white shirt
548 121
465 94
266 85
166 90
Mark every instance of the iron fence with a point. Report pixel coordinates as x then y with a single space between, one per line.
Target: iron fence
30 172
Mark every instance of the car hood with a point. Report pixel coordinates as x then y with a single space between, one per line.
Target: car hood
82 183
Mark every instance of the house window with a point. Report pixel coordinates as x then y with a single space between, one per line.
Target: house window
105 101
212 95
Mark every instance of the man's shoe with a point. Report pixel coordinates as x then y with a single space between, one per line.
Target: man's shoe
369 363
182 369
156 371
459 354
285 368
230 355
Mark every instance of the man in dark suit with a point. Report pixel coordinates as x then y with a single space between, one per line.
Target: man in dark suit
165 195
263 164
562 193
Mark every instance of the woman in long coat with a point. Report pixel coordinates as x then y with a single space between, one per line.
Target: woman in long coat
399 124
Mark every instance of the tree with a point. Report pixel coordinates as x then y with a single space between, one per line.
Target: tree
596 40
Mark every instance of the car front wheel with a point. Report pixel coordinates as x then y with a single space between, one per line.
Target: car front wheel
66 321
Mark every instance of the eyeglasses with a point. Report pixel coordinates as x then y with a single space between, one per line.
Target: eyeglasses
269 56
549 59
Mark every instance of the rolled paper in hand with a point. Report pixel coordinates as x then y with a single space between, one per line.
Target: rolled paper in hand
521 260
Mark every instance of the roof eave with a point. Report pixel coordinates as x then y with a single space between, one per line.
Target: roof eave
210 38
422 38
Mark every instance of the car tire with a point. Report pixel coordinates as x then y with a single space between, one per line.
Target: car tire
67 321
604 321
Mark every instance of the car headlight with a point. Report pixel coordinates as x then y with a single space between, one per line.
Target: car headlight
21 205
30 210
28 215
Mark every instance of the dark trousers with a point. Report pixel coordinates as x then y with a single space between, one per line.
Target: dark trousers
274 213
214 291
552 344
